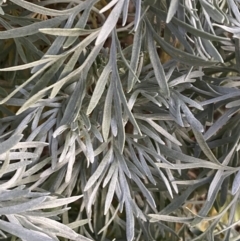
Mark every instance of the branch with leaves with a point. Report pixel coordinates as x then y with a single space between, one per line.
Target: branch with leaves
132 106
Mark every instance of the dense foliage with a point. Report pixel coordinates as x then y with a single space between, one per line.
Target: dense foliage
119 120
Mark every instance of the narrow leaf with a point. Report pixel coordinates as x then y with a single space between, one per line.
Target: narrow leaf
157 66
99 170
10 143
172 10
110 22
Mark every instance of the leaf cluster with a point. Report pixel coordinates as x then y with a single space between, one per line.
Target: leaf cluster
132 106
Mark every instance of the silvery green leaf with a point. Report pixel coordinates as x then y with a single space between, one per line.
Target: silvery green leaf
78 223
209 203
66 32
219 123
151 134
68 68
163 132
107 112
177 155
126 62
122 162
31 29
104 163
119 120
111 219
83 69
110 23
144 190
119 91
135 56
152 98
20 51
14 166
56 202
172 10
166 182
189 28
23 233
201 141
60 130
86 120
180 35
233 30
129 221
135 169
108 6
32 101
146 167
191 119
58 228
236 183
24 123
111 190
157 66
46 127
74 103
186 78
151 150
172 179
234 9
18 155
38 166
219 173
47 11
212 11
1 11
212 50
42 128
10 143
175 110
81 23
37 117
201 164
215 185
177 202
179 55
29 225
137 19
96 133
47 76
101 148
232 104
237 50
22 207
124 11
45 214
89 147
13 194
220 98
157 218
111 170
28 65
189 101
54 152
93 196
134 157
99 88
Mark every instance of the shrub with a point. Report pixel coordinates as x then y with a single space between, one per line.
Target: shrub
119 120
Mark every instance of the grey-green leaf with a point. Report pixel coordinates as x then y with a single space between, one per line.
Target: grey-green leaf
10 143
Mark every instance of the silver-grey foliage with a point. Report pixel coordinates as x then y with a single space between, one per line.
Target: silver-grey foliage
127 111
